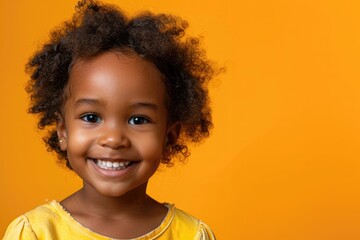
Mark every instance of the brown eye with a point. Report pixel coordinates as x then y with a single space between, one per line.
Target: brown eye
91 118
138 120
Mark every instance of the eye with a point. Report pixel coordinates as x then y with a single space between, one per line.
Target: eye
91 118
138 120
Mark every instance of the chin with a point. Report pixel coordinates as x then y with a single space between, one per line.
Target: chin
112 192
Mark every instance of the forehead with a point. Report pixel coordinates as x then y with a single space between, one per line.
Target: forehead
114 73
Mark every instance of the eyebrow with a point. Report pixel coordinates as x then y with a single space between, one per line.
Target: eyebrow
145 105
88 101
94 102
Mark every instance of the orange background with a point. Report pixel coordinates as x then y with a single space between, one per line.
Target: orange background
283 159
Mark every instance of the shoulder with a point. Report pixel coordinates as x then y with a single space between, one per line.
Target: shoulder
188 225
34 223
45 211
19 228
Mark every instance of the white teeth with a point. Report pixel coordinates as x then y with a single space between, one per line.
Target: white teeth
112 165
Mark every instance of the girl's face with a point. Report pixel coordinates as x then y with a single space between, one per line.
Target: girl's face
115 122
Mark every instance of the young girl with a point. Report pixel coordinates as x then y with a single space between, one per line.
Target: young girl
118 97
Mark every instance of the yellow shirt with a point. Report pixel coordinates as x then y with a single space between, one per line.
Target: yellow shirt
51 221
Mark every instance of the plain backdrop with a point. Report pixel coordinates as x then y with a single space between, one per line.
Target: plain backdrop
283 159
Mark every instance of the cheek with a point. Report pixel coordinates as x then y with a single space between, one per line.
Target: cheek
150 148
78 141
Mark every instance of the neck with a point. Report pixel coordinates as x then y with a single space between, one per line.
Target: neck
132 202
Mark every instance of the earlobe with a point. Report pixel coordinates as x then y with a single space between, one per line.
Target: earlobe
61 132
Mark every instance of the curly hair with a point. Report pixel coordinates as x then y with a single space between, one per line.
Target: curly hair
159 38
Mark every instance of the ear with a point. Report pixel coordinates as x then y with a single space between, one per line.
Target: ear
171 138
173 133
61 132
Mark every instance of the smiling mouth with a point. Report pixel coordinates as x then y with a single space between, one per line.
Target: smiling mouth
112 165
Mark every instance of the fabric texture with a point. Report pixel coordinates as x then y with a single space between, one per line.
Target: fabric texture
51 221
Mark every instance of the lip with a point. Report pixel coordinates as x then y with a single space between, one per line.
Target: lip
110 159
113 173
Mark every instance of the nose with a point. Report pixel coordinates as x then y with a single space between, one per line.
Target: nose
113 136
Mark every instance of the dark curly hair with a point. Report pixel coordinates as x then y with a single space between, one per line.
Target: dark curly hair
96 28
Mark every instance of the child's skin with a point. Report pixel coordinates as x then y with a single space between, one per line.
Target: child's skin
116 111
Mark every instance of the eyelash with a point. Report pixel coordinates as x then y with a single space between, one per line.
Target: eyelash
143 120
135 120
85 117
